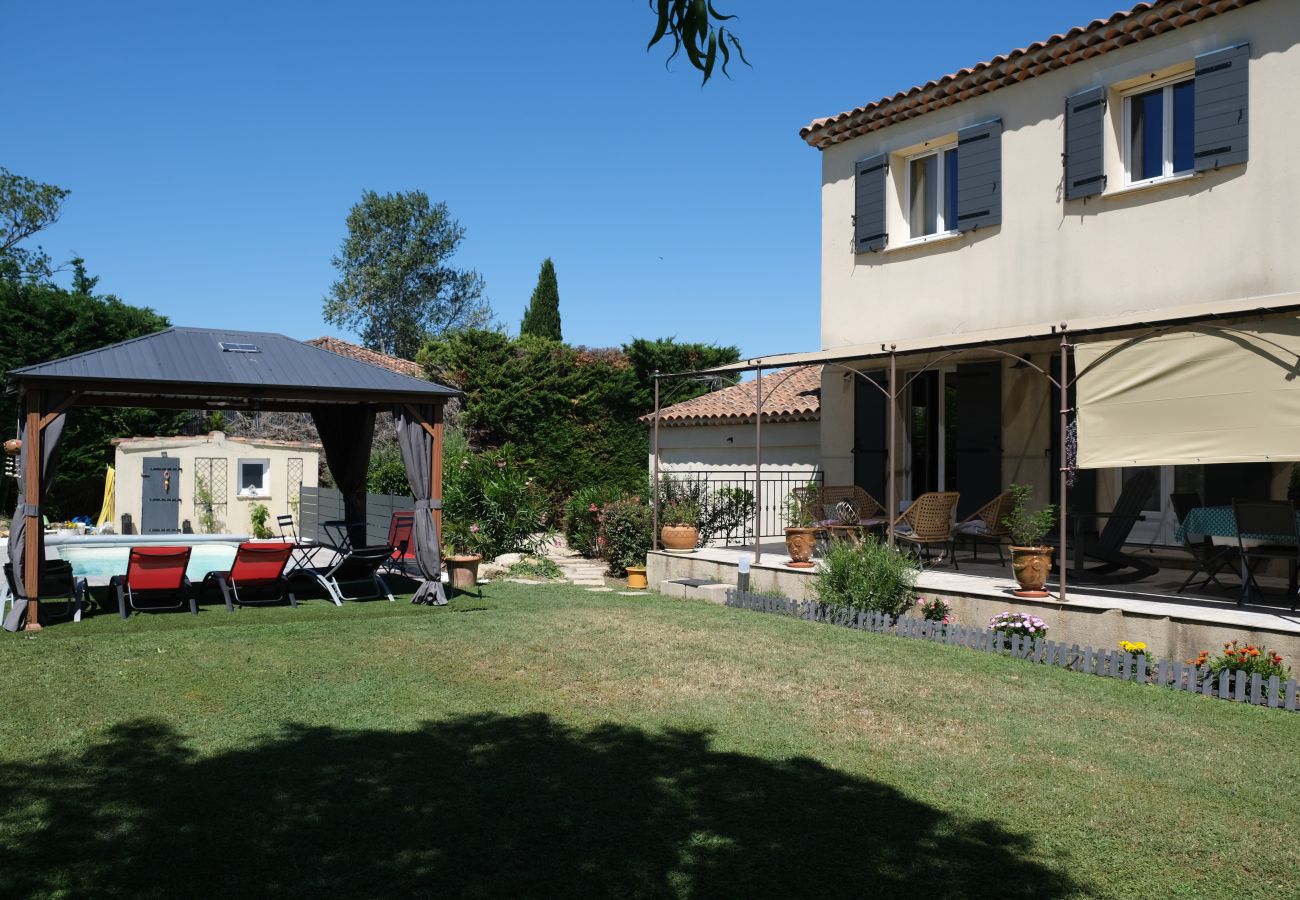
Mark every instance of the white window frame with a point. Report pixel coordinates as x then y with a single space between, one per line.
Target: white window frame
1167 172
943 228
265 489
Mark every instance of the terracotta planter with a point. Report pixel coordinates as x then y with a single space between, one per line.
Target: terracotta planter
636 580
464 571
679 538
1031 566
800 543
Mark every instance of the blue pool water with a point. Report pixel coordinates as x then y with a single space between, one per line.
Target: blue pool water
105 562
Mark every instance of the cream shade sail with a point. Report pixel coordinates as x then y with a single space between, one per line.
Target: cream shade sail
1212 394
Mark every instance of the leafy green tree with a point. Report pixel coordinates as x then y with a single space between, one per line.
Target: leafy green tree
45 322
696 26
667 355
26 207
542 318
569 412
396 287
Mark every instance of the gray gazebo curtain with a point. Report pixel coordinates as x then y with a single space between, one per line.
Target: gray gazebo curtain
49 442
417 455
346 432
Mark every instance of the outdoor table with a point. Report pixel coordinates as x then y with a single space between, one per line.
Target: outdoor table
303 550
340 533
1219 524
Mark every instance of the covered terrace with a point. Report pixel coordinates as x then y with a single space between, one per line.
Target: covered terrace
220 369
1210 386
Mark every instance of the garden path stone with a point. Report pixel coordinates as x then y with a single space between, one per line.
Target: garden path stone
600 590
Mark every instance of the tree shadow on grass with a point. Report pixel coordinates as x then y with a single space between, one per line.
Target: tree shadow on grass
483 806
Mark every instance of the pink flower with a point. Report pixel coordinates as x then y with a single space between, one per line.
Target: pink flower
592 508
501 463
473 529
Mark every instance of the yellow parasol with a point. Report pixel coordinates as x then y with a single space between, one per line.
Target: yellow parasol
106 511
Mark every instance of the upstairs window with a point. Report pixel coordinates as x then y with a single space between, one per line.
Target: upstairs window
1160 131
931 192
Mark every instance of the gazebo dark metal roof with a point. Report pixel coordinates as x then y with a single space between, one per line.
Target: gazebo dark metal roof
205 367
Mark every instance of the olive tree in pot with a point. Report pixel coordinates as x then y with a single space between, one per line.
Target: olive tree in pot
800 533
1031 559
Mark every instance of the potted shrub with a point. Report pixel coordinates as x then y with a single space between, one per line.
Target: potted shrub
463 554
800 534
1031 559
680 532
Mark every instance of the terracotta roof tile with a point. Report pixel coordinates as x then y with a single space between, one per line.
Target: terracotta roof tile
796 397
361 354
1146 20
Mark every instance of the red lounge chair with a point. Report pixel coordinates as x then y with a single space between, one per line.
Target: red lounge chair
400 539
155 571
257 567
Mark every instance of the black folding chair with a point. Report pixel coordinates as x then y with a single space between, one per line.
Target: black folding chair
1274 523
288 530
1210 558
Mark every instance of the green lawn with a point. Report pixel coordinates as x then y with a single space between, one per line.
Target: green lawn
545 741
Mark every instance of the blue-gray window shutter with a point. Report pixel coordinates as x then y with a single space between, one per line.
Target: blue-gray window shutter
869 204
1222 111
1085 135
979 175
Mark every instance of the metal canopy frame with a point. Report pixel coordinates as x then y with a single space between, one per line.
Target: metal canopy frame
1207 323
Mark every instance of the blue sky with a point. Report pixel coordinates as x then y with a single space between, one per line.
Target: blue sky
213 150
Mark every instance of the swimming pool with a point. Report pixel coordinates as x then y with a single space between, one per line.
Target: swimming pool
100 557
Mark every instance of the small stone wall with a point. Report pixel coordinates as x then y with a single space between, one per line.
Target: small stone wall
1172 629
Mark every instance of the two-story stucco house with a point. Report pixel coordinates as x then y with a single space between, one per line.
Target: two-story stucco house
1131 186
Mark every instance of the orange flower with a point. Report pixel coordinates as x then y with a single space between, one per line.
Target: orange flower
1254 652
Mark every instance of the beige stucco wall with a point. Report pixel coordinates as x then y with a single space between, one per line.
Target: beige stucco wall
129 465
791 446
1218 236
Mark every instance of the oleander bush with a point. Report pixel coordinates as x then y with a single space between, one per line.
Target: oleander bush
873 576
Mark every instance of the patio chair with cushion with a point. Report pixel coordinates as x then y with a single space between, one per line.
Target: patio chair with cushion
257 568
154 572
985 525
56 580
359 566
1266 529
1209 558
400 527
928 520
1107 548
826 503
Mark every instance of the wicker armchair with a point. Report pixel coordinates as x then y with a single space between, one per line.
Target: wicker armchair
928 520
984 526
820 502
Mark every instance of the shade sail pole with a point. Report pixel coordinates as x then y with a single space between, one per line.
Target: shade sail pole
758 465
35 529
890 488
1064 473
654 488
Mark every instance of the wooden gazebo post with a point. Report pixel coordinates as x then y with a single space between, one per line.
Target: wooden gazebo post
34 529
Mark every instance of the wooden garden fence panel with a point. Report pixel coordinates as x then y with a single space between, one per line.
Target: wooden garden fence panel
1235 687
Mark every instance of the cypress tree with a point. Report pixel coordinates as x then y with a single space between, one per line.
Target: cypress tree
542 318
